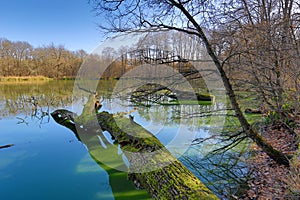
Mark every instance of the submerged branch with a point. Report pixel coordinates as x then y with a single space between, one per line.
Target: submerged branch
6 146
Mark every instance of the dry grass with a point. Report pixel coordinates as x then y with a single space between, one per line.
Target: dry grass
18 79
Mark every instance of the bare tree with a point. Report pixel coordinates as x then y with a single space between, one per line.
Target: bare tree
21 55
196 18
6 57
261 51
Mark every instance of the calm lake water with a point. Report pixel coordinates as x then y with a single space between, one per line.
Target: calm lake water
48 162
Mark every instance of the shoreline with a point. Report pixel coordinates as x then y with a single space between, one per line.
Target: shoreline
29 79
270 180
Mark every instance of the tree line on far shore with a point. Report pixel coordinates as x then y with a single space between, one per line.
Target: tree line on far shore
19 58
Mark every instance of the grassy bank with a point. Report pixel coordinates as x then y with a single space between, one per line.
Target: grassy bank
13 79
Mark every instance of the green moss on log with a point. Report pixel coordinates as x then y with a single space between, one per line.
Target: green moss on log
152 166
172 181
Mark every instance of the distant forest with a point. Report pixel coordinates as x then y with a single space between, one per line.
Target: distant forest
22 59
19 58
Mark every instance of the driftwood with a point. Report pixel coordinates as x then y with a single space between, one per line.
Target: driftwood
151 166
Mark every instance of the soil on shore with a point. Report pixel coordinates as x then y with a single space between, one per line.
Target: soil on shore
270 180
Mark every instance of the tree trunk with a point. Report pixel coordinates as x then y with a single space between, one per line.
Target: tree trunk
273 153
151 166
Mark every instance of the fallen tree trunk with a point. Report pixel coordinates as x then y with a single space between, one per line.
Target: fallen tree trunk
118 180
151 166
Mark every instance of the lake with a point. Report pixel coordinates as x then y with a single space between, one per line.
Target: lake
47 161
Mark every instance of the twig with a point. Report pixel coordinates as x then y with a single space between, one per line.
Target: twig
22 121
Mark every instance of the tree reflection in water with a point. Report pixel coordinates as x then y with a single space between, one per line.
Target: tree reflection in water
220 160
223 171
32 102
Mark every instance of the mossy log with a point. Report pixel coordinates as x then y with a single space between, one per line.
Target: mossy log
118 180
151 165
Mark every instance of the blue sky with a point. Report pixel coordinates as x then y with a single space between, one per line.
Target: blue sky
41 22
